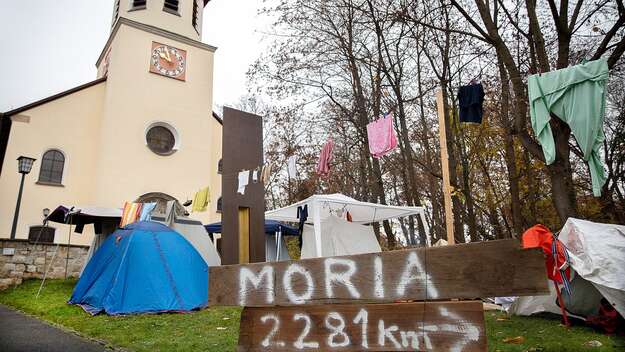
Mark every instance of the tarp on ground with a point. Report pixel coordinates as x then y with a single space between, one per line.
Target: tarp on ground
145 267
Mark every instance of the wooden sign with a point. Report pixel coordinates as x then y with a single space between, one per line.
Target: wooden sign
485 269
431 326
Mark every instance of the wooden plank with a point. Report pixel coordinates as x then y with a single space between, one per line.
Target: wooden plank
429 326
442 137
485 269
244 235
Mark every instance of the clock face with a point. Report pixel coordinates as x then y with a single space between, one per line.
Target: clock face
168 61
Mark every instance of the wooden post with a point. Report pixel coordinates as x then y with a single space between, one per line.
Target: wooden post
442 136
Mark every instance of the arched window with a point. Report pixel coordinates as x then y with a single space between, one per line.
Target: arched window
52 164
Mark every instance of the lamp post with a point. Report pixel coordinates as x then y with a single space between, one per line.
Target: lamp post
24 165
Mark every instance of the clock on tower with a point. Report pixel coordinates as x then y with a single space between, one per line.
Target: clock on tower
168 61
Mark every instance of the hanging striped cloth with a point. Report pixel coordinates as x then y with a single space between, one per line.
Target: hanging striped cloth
131 213
567 262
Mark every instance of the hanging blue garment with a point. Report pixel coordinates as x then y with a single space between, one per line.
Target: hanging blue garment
470 100
146 211
145 267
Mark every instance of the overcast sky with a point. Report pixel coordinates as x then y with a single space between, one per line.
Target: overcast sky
52 45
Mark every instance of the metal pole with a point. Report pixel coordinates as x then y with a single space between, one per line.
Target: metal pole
17 208
69 238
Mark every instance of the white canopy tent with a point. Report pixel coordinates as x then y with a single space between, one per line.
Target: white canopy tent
322 206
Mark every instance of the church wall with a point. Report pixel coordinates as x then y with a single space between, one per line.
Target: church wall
135 99
69 124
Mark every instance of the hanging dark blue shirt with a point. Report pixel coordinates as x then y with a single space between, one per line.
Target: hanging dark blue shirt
302 215
470 99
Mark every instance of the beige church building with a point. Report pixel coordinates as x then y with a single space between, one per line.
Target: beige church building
143 130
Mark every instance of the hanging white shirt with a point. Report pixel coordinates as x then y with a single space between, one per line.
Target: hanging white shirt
244 179
291 166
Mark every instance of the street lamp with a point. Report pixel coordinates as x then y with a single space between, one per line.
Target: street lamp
24 165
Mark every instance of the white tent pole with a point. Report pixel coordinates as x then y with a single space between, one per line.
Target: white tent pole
317 226
426 228
278 243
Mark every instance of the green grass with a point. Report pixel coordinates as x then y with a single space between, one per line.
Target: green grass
195 331
198 331
544 334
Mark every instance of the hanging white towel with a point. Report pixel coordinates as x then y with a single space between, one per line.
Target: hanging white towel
244 179
291 166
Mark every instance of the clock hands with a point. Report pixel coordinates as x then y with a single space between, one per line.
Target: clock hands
167 52
165 55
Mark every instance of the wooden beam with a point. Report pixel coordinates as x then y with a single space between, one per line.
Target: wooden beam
442 137
422 326
485 269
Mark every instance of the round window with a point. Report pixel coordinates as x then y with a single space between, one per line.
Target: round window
160 140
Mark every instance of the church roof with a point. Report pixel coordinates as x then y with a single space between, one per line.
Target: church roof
54 97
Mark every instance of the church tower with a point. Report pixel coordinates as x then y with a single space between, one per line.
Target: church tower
157 114
178 16
142 130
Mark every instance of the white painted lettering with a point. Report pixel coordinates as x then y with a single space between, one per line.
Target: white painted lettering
337 330
409 339
300 343
378 277
363 317
413 272
343 277
387 333
266 342
294 297
246 275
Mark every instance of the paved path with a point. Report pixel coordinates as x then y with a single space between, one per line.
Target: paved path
19 332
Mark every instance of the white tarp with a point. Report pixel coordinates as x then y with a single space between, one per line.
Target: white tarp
597 253
193 231
339 237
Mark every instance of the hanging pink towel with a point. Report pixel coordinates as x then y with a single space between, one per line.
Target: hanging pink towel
381 136
323 165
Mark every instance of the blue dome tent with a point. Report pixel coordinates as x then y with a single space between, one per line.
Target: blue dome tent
146 267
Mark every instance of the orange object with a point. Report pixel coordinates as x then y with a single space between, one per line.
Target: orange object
540 236
131 213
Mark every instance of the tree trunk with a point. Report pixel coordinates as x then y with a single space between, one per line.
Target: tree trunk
560 172
510 153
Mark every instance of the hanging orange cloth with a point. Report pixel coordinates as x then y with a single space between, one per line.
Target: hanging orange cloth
540 236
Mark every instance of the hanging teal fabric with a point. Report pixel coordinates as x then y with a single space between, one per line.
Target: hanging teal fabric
577 96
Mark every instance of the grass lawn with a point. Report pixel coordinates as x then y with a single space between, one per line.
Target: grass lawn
216 329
